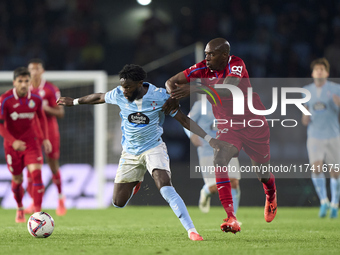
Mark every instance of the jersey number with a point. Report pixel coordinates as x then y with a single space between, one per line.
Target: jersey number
237 70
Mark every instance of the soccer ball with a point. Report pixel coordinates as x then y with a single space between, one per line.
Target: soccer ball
40 224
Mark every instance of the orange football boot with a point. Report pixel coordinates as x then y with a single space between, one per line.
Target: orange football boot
270 209
231 225
20 217
195 237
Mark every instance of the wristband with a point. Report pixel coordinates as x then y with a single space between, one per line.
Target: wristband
207 138
76 101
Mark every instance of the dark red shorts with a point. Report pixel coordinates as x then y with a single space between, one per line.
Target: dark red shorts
253 140
17 160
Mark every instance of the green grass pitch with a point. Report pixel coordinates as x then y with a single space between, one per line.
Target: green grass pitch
156 230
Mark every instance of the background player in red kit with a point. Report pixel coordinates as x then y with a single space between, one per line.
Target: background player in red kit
50 94
220 67
22 147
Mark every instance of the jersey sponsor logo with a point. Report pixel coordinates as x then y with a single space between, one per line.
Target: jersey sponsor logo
319 106
16 105
237 70
138 119
31 104
23 115
191 67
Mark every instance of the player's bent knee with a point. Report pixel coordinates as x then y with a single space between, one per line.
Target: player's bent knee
263 179
161 178
18 179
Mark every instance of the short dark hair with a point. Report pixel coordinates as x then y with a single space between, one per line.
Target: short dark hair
37 61
321 61
132 72
21 71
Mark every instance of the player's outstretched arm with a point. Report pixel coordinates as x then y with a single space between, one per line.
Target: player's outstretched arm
179 78
195 140
183 90
96 98
177 86
172 103
57 111
196 129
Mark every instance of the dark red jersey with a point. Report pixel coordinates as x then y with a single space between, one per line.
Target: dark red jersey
234 68
17 117
49 94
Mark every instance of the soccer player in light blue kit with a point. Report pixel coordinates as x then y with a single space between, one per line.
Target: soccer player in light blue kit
143 149
206 158
323 134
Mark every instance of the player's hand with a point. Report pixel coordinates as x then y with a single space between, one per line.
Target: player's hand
170 106
19 145
67 101
195 139
182 90
47 146
218 144
336 100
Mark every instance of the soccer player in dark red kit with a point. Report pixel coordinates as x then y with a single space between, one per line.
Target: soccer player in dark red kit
50 94
217 68
22 147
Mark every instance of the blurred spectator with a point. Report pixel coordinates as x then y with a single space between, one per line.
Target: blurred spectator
332 54
278 38
92 55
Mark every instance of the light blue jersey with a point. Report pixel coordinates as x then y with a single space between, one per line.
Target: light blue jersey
206 123
324 120
142 119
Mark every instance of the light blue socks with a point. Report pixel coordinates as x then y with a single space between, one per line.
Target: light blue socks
319 182
206 190
177 205
236 198
335 192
